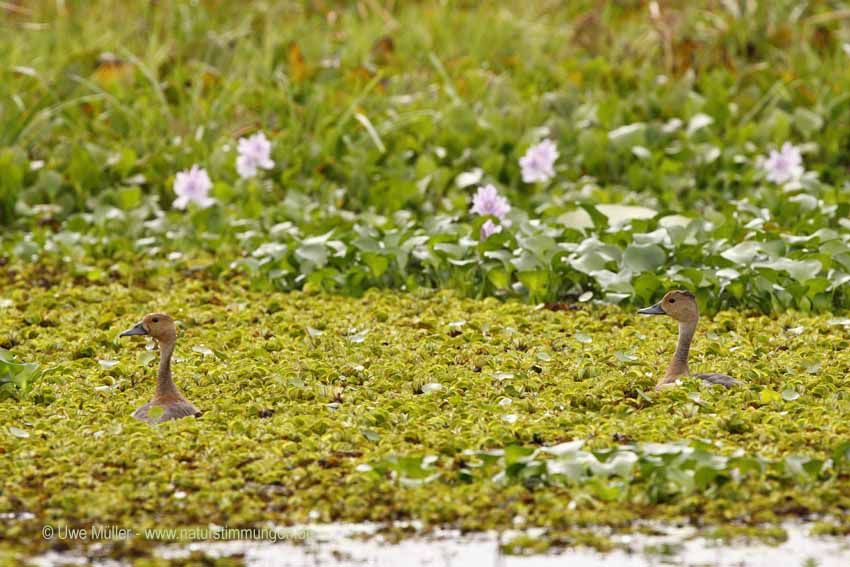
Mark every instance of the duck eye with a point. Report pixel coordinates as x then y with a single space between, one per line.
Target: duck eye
155 319
671 301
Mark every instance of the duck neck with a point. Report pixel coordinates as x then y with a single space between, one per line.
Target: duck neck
165 386
679 365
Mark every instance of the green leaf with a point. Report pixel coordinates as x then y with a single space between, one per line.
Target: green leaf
129 198
535 280
517 453
742 253
20 376
578 219
800 270
499 278
625 357
704 477
584 338
366 244
645 258
19 433
315 254
627 136
539 245
645 286
768 396
205 351
604 491
377 263
146 358
371 435
12 162
789 395
452 250
621 214
590 262
841 454
807 121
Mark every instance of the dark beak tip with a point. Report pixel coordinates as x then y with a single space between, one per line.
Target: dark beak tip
138 329
652 310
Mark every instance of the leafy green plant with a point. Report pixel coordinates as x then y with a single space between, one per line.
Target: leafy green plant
661 179
650 472
16 378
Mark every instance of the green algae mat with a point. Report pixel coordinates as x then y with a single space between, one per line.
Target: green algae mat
396 407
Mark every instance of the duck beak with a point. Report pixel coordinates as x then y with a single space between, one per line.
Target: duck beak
137 329
653 310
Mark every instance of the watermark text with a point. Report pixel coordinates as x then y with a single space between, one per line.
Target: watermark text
107 532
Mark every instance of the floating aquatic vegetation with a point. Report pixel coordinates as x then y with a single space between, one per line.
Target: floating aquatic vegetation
16 378
300 389
646 472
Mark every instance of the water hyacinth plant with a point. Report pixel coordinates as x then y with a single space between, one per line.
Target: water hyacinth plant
538 163
622 224
645 473
16 377
785 164
489 228
193 186
487 201
254 154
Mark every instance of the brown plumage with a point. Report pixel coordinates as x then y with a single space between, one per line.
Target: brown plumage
682 306
167 396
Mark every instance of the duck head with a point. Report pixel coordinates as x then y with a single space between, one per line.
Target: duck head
680 305
158 325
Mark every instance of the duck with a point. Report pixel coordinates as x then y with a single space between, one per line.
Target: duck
682 306
168 397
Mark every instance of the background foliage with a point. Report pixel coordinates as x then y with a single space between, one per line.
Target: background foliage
375 110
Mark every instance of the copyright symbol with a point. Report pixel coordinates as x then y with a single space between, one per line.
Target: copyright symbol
47 532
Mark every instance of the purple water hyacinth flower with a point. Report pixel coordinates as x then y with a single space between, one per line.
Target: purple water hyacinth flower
254 153
785 164
489 228
538 163
193 186
487 201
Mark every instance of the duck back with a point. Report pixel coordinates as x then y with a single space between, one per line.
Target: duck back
722 379
170 411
